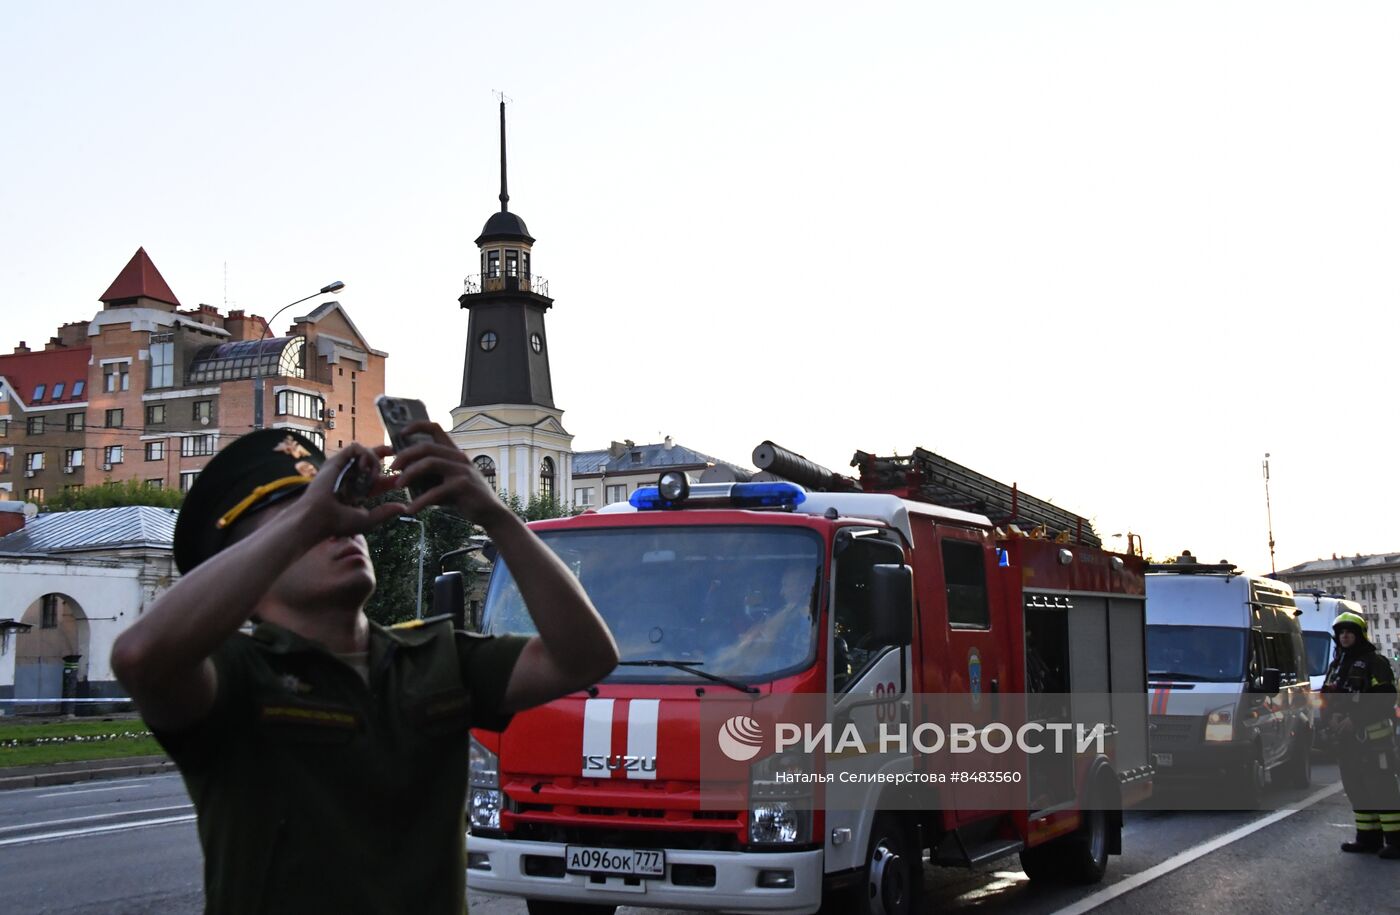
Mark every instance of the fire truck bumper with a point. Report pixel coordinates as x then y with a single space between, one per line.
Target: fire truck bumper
711 880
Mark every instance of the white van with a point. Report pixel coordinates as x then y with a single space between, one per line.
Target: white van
1227 673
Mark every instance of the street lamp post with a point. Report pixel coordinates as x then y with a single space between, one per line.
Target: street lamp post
422 550
267 329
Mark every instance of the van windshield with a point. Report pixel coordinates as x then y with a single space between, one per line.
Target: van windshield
1319 652
735 602
1210 653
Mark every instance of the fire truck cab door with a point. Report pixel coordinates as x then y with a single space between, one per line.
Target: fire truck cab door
870 684
977 633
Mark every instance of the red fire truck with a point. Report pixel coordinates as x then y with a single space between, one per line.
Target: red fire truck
920 578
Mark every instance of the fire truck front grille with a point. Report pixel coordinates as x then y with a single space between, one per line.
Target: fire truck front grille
617 812
628 838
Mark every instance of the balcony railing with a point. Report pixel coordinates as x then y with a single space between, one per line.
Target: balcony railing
478 283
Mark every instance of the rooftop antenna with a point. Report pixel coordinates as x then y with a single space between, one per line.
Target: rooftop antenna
505 197
1269 509
225 285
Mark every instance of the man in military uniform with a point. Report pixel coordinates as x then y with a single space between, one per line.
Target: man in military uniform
1359 708
326 756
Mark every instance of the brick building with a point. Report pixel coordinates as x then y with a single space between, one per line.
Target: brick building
149 391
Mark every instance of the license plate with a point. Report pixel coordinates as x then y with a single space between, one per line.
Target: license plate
617 862
1163 759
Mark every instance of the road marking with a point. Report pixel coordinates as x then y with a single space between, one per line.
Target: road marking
95 816
1184 858
88 790
94 831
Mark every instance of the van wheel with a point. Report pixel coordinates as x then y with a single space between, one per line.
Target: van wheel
550 907
1251 779
894 871
1297 772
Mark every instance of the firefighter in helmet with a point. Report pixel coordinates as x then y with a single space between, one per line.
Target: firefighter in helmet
1358 711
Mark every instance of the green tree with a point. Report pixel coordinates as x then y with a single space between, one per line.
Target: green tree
112 495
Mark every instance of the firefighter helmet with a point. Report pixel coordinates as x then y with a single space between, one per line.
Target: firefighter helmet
1347 618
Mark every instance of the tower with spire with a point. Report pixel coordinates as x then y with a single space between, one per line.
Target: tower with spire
507 421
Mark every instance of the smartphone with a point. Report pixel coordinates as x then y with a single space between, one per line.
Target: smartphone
398 413
354 485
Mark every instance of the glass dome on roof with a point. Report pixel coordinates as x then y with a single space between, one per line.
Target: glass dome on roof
249 359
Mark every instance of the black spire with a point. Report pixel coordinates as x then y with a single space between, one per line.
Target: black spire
505 197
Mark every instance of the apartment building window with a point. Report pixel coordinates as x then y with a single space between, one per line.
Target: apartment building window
116 376
39 392
617 493
155 451
78 388
115 418
196 445
187 479
4 462
72 487
57 392
295 403
493 264
35 495
583 497
76 422
203 411
162 360
112 454
34 461
73 458
155 414
34 425
4 428
512 262
155 483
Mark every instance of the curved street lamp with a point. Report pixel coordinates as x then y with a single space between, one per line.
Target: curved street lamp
267 329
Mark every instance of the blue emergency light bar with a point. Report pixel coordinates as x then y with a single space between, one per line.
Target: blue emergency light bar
786 496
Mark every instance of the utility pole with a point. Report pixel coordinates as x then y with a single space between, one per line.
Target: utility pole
1269 509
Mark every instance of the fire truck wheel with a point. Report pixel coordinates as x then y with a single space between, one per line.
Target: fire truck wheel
1080 857
894 870
549 907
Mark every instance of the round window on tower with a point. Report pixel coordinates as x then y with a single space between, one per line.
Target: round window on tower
536 343
488 341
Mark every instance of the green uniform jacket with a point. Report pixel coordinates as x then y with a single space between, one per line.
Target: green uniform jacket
316 793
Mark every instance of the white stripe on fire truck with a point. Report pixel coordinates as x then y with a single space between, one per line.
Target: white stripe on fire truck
597 735
641 735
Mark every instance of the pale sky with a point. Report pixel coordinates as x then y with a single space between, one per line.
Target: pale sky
1114 252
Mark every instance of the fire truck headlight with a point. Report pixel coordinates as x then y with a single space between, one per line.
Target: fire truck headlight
485 809
779 823
780 800
484 787
1220 725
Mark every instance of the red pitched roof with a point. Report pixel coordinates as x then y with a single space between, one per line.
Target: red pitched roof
23 372
140 278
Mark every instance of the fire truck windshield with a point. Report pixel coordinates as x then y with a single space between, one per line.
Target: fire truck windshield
735 602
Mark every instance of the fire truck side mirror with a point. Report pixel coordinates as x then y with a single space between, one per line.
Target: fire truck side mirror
450 596
892 604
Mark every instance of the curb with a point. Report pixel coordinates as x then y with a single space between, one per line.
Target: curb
45 777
